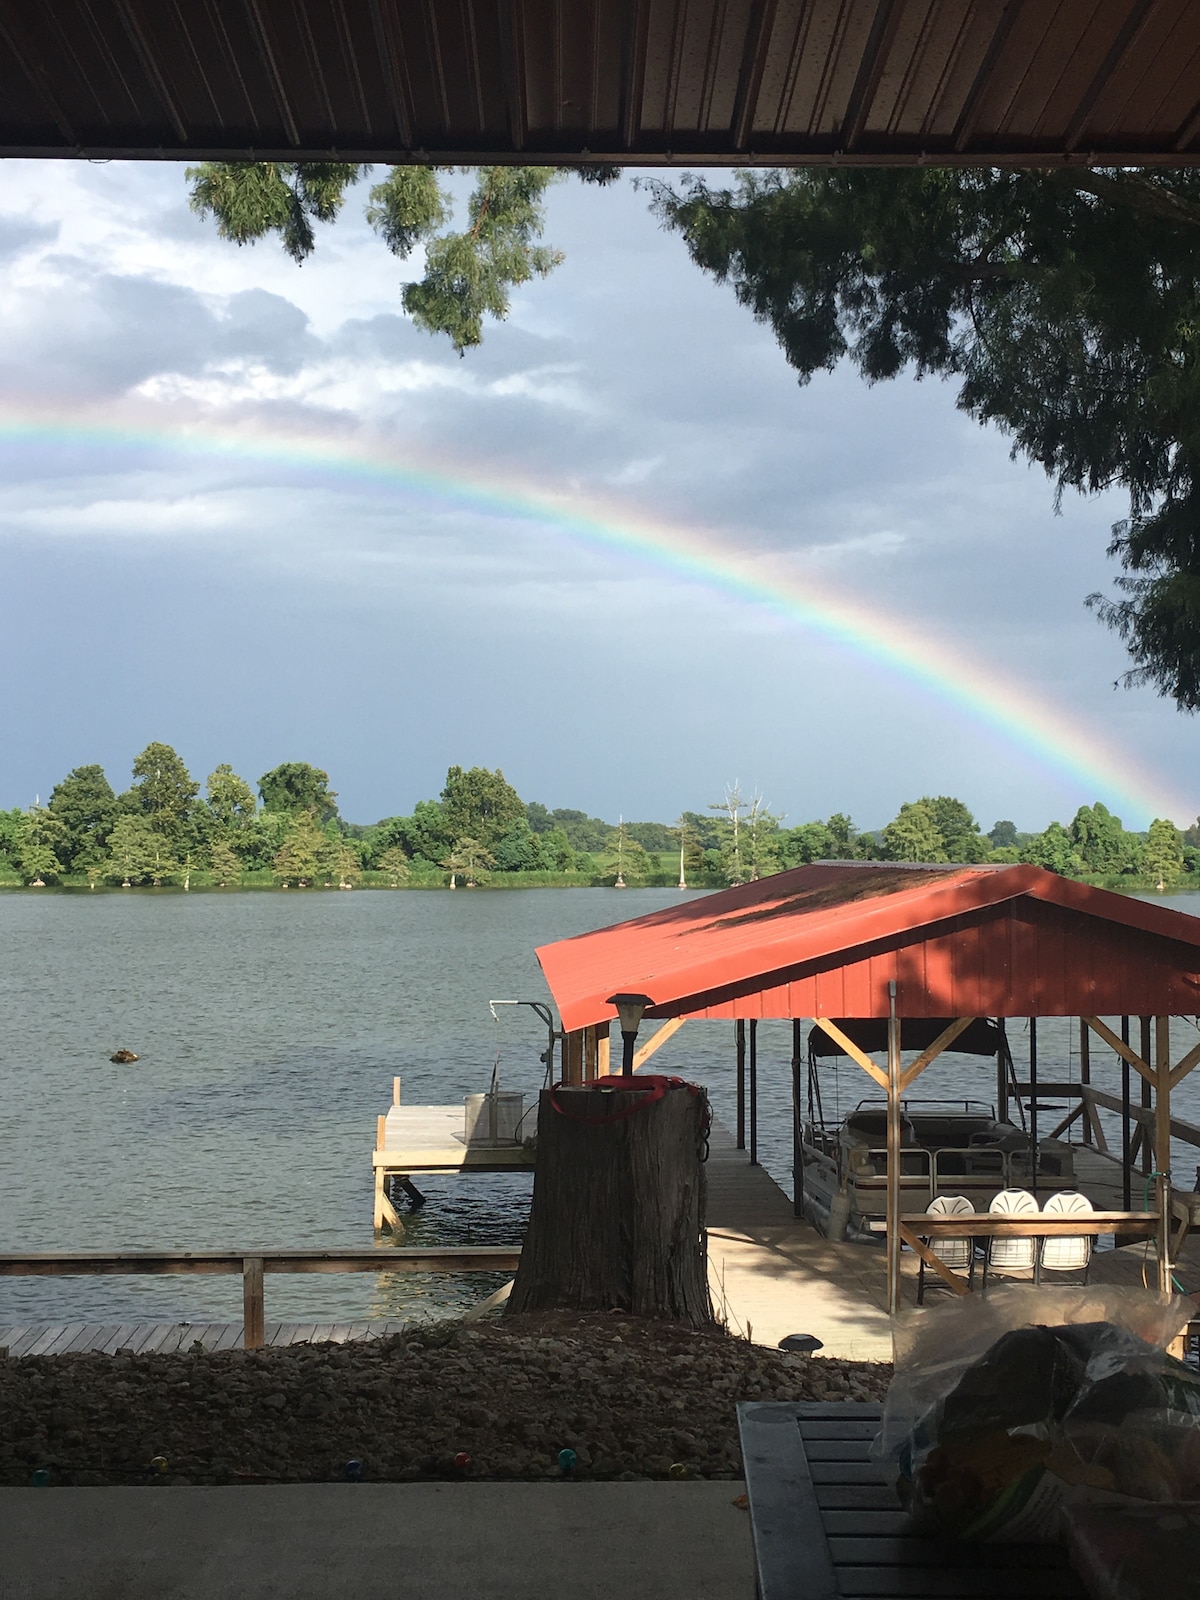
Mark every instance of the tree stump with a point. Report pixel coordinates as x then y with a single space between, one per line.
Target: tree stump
617 1221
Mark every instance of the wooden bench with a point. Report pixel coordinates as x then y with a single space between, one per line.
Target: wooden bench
827 1526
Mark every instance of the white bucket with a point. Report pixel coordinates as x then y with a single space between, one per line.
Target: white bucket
493 1119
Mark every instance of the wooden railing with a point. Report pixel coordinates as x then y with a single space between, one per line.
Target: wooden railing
253 1266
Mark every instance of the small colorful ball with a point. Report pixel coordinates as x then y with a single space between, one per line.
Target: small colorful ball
566 1460
158 1464
462 1461
353 1471
40 1478
678 1470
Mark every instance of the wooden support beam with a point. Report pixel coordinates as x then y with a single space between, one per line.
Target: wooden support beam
572 1057
943 1042
380 1133
933 1260
386 1215
893 1157
1090 1102
853 1051
1125 1051
1085 1075
253 1310
1162 1147
1187 1132
656 1040
603 1052
1180 1072
589 1055
396 1091
1079 1111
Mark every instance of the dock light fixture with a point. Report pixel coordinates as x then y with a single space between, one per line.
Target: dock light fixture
630 1009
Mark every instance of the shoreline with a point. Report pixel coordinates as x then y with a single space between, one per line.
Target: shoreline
630 1399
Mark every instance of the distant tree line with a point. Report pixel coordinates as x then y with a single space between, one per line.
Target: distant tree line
162 831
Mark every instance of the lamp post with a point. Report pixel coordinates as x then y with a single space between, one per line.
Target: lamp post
630 1009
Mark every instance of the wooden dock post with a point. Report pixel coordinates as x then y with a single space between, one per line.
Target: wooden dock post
253 1311
893 1156
386 1214
1162 1147
572 1057
1085 1076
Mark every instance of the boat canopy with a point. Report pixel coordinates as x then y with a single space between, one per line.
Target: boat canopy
982 1037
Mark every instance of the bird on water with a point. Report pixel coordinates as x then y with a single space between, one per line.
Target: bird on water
121 1057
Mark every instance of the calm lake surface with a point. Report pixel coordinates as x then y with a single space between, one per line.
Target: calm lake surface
269 1028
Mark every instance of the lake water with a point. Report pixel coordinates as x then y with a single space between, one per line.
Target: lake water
269 1027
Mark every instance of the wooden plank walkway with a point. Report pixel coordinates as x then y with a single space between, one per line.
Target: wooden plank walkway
826 1525
773 1274
162 1338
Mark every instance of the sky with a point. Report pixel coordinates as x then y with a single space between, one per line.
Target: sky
618 552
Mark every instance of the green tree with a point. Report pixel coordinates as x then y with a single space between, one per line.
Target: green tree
299 857
339 861
40 843
224 862
913 834
394 862
557 851
520 850
1053 850
960 833
626 859
1065 304
1099 839
230 799
732 809
86 806
482 805
1003 835
762 840
469 275
810 841
294 787
1007 855
12 824
470 859
138 852
163 792
1162 856
844 836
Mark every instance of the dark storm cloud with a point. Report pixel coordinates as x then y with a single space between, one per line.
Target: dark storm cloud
91 333
19 234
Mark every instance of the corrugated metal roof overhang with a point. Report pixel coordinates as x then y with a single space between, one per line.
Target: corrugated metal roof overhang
644 82
743 939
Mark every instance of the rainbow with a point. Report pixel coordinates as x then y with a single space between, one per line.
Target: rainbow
1062 744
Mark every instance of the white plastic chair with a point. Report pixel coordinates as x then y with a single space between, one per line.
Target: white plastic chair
1015 1254
1073 1253
955 1250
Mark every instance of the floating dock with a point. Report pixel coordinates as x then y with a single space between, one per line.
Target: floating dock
410 1140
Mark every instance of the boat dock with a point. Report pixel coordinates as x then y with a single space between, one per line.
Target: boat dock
165 1338
414 1139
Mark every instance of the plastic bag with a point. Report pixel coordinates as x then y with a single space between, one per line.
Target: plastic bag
1003 1408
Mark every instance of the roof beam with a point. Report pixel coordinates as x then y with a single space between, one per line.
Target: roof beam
135 33
1133 26
266 52
18 42
866 83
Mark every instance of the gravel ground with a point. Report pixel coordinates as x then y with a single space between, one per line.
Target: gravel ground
496 1399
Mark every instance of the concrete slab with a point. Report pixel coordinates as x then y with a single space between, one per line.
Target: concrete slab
419 1541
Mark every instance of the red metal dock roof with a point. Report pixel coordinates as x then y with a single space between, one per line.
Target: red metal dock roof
826 940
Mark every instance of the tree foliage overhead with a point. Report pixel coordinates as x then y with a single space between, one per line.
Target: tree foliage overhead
469 275
1065 303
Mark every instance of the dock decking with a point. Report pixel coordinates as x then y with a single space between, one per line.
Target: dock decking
163 1338
773 1274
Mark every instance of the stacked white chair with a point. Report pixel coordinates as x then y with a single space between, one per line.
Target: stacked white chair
955 1250
1012 1254
1072 1253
